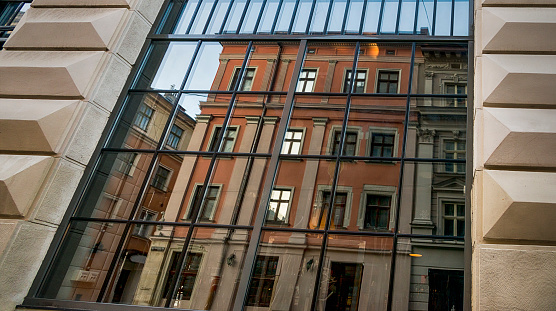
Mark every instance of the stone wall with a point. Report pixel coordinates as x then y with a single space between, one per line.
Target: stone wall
62 71
514 197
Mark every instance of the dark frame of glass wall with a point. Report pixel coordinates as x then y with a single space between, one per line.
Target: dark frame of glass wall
394 133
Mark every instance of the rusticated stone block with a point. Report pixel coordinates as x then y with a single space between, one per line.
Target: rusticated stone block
518 29
518 79
515 277
82 28
520 137
20 179
519 205
34 125
53 74
82 3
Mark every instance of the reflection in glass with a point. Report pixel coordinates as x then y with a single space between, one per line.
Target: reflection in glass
267 19
372 14
285 16
205 67
433 270
185 18
407 17
336 16
461 18
302 16
443 17
233 19
425 18
284 271
355 273
201 18
251 16
389 16
353 21
318 22
166 65
215 23
81 265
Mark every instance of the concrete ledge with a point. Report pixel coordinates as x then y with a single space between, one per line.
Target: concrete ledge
519 205
20 179
518 79
518 29
520 137
47 74
82 28
34 125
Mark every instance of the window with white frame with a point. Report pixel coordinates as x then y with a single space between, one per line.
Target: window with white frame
143 116
360 81
246 82
455 89
279 205
293 141
382 144
376 212
145 230
454 218
229 138
126 162
387 81
208 205
174 137
161 178
350 142
454 149
307 79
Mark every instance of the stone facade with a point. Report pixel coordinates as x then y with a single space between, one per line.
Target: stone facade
513 199
62 71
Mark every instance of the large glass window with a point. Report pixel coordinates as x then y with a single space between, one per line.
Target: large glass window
283 172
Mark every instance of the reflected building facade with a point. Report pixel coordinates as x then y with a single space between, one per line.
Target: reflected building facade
307 170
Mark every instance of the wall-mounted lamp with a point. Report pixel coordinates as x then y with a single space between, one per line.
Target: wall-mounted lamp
231 259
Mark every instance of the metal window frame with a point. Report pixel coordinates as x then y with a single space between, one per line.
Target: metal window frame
275 156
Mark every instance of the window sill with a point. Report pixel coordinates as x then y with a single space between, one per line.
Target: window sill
385 162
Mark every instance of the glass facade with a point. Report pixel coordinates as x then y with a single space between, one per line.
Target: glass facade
249 169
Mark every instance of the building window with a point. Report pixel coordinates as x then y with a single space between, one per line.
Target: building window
360 81
229 139
387 81
454 219
247 81
188 276
339 210
454 150
262 282
382 145
377 212
144 230
350 143
456 89
208 206
279 206
293 141
344 286
174 137
445 290
143 117
307 79
161 178
126 163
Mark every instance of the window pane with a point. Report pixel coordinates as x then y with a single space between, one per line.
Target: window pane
284 274
285 16
251 16
302 16
319 16
215 22
425 18
185 18
269 13
371 16
354 16
407 17
435 269
234 17
337 16
166 65
389 16
461 18
443 17
202 15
